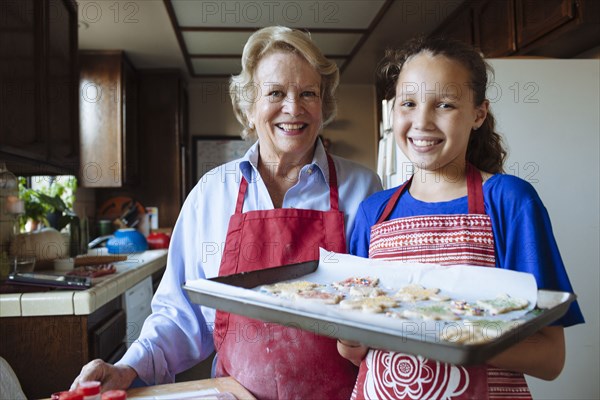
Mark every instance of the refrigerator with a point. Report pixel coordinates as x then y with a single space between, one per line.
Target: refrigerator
548 112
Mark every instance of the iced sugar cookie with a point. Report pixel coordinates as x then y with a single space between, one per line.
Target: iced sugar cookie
320 296
416 292
502 304
431 312
288 288
357 282
373 305
365 291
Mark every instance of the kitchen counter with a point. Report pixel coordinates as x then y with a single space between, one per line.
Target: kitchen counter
48 336
84 302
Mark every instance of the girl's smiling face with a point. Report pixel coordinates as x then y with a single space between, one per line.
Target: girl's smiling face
288 110
434 112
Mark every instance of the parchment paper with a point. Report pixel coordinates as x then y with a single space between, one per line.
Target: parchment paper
458 281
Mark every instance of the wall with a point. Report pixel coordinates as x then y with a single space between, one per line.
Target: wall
551 126
352 134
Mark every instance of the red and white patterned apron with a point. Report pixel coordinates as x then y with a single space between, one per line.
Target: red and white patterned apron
448 240
270 360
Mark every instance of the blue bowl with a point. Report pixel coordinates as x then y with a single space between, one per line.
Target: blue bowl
127 241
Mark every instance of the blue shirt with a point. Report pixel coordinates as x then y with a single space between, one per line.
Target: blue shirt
523 235
178 334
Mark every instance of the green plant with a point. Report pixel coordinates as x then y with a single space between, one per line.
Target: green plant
50 195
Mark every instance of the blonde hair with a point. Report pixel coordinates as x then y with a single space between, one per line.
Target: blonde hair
279 38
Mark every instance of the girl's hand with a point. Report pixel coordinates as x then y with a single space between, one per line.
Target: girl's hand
352 351
541 355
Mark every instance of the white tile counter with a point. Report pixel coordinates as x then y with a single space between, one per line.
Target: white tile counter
83 302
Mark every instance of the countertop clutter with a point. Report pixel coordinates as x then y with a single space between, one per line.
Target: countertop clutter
69 302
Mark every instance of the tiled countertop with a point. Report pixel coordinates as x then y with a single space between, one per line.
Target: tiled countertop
83 302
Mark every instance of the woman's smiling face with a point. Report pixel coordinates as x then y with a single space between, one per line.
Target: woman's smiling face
287 113
434 112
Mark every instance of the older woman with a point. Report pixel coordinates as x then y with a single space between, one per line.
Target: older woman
277 205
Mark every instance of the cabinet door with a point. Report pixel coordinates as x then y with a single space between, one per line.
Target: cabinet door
131 151
536 18
458 26
100 110
61 76
20 95
495 27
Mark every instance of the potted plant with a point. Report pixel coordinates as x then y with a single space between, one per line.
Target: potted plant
47 204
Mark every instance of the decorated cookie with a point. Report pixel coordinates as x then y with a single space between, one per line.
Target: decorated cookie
320 296
373 305
463 307
502 304
416 292
440 311
357 282
288 287
365 291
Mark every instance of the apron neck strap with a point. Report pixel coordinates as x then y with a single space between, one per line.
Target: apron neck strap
333 185
475 190
474 194
333 189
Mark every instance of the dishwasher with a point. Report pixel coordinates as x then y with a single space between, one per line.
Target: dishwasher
136 303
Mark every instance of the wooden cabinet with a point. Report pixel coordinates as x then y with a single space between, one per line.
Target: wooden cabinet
47 352
549 28
536 18
460 26
108 120
164 151
495 27
39 128
163 116
557 28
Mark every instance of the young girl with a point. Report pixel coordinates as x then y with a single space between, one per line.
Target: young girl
457 208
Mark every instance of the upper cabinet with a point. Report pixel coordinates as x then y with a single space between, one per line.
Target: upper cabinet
165 152
108 120
39 84
549 28
495 27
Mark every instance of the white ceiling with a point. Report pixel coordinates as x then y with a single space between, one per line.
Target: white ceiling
213 32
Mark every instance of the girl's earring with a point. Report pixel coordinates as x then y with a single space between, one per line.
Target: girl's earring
251 125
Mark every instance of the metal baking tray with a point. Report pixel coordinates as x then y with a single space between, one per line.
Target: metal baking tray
551 306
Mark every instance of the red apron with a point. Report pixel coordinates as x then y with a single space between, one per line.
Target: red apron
270 360
448 240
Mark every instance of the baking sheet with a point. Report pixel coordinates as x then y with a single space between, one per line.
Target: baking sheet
232 293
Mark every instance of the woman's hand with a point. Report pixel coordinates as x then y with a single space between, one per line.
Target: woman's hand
110 376
352 351
541 355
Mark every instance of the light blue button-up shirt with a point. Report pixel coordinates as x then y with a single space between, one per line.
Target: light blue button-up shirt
178 334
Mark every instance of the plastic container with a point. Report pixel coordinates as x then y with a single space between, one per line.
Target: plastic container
90 390
114 395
